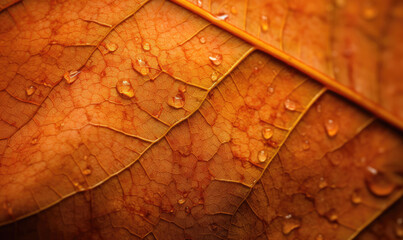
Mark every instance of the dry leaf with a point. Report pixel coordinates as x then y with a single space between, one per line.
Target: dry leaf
141 119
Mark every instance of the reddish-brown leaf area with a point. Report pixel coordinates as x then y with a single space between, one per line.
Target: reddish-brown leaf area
142 120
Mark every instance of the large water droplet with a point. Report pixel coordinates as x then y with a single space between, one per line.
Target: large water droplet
267 133
30 90
369 13
141 66
262 156
356 197
399 227
216 59
264 23
290 105
124 88
71 76
379 183
181 201
177 101
331 128
289 224
214 76
146 46
222 16
202 40
111 47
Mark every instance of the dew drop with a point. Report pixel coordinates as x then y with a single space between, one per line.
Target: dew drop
177 101
87 172
306 145
322 183
34 141
111 47
271 90
30 90
262 156
264 23
222 16
124 88
331 128
290 105
202 40
199 3
71 76
290 224
141 66
146 46
181 201
319 237
399 227
332 215
340 3
234 10
187 210
214 76
216 59
267 133
379 183
356 197
369 13
319 108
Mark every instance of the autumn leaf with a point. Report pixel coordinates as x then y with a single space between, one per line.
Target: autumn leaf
200 120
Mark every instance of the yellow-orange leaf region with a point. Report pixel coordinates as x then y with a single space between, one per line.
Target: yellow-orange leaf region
201 119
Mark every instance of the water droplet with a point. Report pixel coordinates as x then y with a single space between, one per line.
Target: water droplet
379 183
87 172
181 201
177 101
7 206
199 3
146 46
290 224
264 23
319 108
290 105
332 215
216 59
111 47
214 76
356 197
331 128
234 10
322 183
340 3
182 88
71 76
271 90
187 210
399 227
267 133
262 156
124 88
202 40
319 237
141 66
34 141
306 145
222 16
369 13
30 90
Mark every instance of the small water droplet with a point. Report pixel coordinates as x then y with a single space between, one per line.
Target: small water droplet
262 156
216 59
379 183
71 76
199 3
87 172
34 141
234 10
267 133
214 76
356 197
222 16
111 47
177 101
319 237
290 105
306 145
124 88
141 66
181 201
187 210
399 227
340 3
322 183
369 13
146 46
290 224
332 215
264 23
271 90
202 40
319 108
30 90
7 206
331 128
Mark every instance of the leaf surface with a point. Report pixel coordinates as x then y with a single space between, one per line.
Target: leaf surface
174 128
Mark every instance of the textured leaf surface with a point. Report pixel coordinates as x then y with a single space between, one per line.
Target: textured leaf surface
175 129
